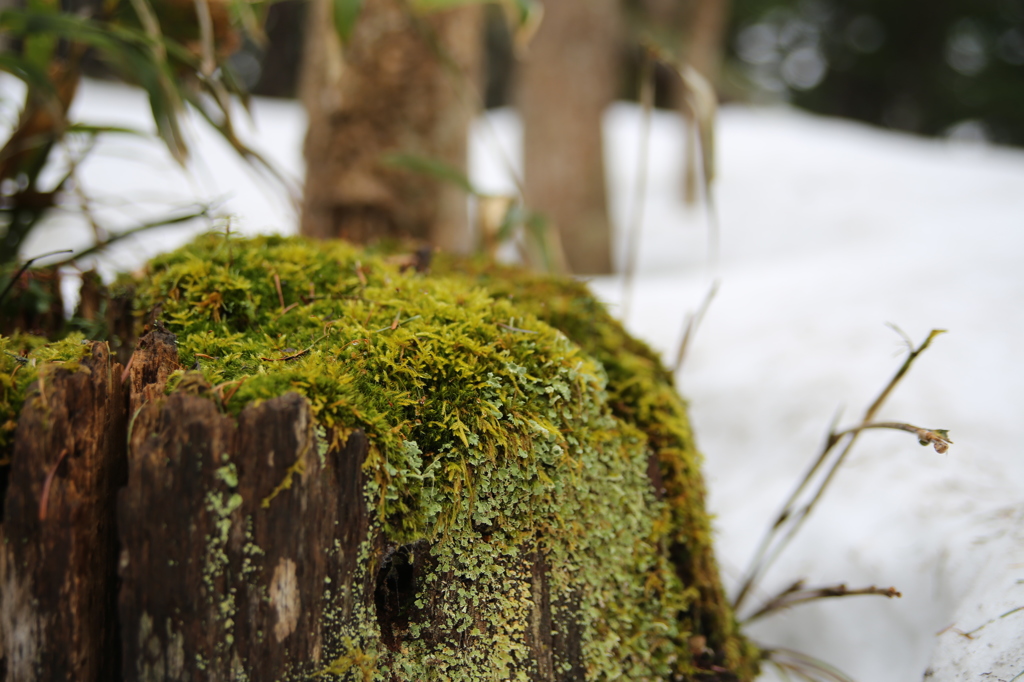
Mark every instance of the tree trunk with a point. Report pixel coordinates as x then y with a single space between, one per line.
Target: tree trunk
706 26
570 75
401 86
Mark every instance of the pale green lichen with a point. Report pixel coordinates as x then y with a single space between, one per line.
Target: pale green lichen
508 415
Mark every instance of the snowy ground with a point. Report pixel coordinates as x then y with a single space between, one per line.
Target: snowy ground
829 230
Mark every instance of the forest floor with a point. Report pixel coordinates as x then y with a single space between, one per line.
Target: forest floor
828 231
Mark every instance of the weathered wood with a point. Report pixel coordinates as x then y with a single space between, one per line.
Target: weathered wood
154 359
295 556
173 584
239 538
58 561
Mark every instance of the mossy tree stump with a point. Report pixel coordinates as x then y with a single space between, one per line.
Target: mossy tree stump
319 465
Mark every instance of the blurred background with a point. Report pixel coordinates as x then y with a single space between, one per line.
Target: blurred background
864 169
390 88
943 67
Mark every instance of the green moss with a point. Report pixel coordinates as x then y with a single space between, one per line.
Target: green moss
508 414
22 359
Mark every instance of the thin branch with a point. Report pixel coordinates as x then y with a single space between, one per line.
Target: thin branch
23 268
174 219
692 323
907 341
792 516
937 438
796 594
209 59
640 189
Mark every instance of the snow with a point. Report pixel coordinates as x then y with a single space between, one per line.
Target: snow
829 230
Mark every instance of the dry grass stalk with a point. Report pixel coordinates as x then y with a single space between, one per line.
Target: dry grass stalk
794 512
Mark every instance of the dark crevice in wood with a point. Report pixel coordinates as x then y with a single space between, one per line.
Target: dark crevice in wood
539 634
567 639
707 620
654 474
397 583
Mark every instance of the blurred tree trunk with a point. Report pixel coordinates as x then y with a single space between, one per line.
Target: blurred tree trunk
705 29
570 75
390 90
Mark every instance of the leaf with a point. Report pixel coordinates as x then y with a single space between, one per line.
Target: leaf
435 168
704 102
251 24
345 14
40 47
28 72
97 129
130 52
437 5
525 16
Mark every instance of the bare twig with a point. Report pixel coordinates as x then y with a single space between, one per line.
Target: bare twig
127 369
396 323
44 499
793 515
970 633
516 329
288 310
209 59
219 389
796 594
937 438
300 353
280 294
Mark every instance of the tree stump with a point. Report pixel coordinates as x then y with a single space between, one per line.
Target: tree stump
58 559
437 493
